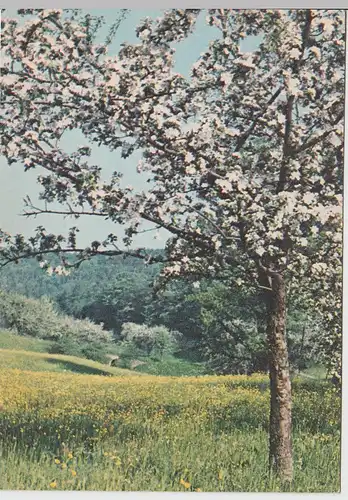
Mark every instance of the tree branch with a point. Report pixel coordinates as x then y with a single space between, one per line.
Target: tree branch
316 140
92 253
283 174
244 137
39 211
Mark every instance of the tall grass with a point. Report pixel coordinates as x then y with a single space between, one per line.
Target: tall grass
194 459
86 432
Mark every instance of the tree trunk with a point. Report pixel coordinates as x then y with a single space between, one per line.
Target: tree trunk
280 446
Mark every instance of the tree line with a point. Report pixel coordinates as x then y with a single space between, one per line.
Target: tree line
222 328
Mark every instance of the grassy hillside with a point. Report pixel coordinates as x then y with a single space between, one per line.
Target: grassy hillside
170 366
315 372
31 354
43 362
74 424
9 340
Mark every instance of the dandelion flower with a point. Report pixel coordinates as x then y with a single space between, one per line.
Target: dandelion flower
56 461
70 455
53 484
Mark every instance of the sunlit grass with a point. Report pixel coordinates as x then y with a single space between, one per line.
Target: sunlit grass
9 340
44 362
197 457
158 433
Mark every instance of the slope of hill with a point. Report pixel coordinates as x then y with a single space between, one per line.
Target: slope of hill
39 361
25 353
17 351
9 340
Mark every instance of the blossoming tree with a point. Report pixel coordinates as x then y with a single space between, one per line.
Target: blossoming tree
244 157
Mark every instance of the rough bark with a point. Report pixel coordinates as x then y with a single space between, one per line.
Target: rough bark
280 445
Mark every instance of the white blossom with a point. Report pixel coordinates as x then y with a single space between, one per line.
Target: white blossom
260 251
294 53
226 79
189 158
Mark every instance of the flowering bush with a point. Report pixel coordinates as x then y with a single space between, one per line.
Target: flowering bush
38 318
155 341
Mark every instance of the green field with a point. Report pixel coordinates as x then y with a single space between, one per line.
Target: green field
9 340
72 424
39 361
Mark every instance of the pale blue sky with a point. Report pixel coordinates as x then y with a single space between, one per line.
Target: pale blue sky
15 184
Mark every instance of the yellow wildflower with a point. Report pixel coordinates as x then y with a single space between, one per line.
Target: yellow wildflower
185 484
70 455
73 473
56 461
53 484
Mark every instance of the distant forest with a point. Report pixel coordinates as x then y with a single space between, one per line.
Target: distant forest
222 326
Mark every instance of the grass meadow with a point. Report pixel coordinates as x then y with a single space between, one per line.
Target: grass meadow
68 428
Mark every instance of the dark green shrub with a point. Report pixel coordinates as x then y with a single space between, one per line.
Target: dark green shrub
95 351
69 346
129 351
